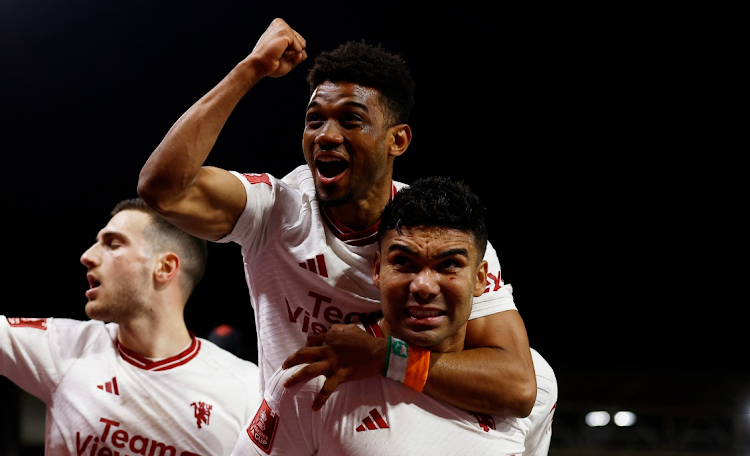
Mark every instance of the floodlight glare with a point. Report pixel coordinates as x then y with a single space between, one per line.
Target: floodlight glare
623 419
598 418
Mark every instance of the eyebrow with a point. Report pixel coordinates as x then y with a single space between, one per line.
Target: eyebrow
445 254
356 104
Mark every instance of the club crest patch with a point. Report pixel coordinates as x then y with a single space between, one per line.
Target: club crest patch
263 427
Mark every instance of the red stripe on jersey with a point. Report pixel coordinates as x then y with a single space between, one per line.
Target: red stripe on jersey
258 178
378 419
372 327
370 425
165 364
38 323
322 270
311 265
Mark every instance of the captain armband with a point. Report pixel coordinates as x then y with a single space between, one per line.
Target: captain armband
407 363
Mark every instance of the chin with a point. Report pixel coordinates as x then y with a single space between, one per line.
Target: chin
326 200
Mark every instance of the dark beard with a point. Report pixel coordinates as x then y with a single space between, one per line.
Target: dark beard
328 202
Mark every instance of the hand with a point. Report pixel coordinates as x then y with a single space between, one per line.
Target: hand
278 50
345 353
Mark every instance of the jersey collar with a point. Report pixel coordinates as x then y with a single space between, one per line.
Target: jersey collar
164 364
356 238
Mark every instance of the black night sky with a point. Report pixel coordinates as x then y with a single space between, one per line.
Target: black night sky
561 117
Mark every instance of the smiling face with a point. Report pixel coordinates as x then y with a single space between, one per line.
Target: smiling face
349 145
427 277
120 269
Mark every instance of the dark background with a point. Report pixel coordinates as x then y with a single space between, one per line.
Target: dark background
572 121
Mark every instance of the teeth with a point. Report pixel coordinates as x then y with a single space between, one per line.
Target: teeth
423 313
329 159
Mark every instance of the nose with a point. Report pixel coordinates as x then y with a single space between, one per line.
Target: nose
88 258
425 284
329 135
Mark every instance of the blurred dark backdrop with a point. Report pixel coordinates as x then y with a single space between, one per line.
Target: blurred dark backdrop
570 120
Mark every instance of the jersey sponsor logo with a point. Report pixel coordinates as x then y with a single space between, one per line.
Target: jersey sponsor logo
372 422
497 280
262 429
316 265
115 441
38 323
258 178
202 413
485 421
110 387
330 313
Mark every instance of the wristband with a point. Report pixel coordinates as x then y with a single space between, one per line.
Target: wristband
407 363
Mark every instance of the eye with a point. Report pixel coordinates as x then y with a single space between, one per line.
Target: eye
113 243
313 121
401 262
351 121
451 264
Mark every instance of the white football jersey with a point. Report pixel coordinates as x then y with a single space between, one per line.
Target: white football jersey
378 416
104 399
305 271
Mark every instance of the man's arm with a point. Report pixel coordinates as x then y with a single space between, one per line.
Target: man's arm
494 375
284 424
206 201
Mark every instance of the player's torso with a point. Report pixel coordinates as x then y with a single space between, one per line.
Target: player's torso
301 276
105 405
298 289
387 419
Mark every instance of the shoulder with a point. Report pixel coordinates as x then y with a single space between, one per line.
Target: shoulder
77 328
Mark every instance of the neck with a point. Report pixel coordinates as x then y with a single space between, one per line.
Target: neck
364 212
154 339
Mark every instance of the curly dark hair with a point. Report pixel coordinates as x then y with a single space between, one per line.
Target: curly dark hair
371 66
437 202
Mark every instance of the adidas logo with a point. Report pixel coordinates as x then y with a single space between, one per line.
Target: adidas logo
372 422
110 387
316 265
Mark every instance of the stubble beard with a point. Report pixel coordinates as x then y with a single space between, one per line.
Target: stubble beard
117 308
329 202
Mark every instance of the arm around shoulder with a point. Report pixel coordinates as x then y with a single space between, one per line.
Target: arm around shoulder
494 374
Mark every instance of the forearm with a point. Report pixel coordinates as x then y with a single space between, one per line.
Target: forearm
174 166
485 380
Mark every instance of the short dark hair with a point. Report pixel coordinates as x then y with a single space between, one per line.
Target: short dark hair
436 202
163 235
371 66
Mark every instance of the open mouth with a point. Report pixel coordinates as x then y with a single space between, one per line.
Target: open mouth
93 282
423 313
331 167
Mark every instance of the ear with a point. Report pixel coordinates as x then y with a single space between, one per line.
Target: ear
400 139
376 270
481 283
166 267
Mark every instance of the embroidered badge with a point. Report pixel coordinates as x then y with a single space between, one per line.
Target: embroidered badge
202 413
263 427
